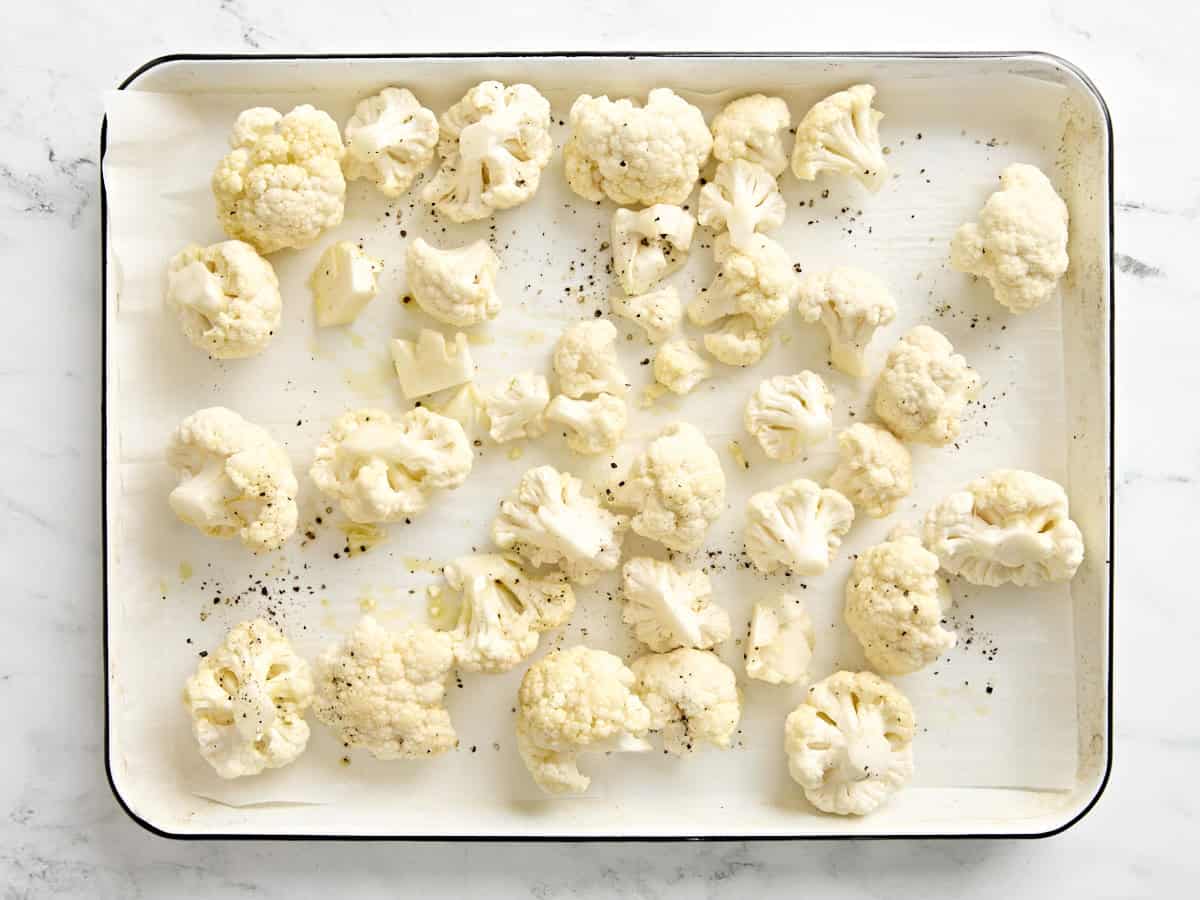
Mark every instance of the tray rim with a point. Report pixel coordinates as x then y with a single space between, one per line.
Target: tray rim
1048 58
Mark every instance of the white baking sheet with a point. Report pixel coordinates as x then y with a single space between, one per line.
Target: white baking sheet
997 712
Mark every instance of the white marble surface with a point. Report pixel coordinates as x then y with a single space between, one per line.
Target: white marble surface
62 835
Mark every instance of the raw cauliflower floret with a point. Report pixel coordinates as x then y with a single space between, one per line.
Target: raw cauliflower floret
679 367
592 426
457 286
849 744
389 140
247 702
550 521
226 297
650 244
1019 243
753 128
924 387
282 184
786 414
852 305
874 469
382 469
572 702
585 360
430 364
742 199
738 342
343 283
234 479
516 407
757 281
676 489
502 610
657 312
692 696
780 646
799 525
636 156
840 134
385 691
1009 526
494 143
894 605
669 608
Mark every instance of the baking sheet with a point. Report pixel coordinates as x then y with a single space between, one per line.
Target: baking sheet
997 712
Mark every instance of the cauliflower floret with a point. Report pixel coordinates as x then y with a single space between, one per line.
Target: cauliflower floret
923 388
227 298
757 281
789 413
458 286
593 426
1019 243
692 696
389 140
429 364
495 142
381 469
585 360
571 702
550 521
738 342
849 744
852 305
658 312
247 702
679 367
676 488
668 608
799 526
282 184
894 605
650 244
780 646
1008 526
502 610
516 407
343 283
636 155
743 199
874 469
840 134
753 128
233 479
385 691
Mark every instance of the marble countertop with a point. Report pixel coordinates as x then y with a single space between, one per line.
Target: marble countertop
62 834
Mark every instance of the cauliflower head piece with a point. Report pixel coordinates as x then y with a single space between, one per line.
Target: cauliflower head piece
650 244
382 469
692 696
743 200
494 143
431 364
874 469
1009 526
585 360
1019 243
281 185
849 744
572 702
234 479
247 701
676 487
852 305
636 156
753 129
840 134
390 138
757 281
924 387
456 286
786 414
550 521
226 297
515 408
385 691
894 605
657 312
679 367
738 342
669 608
591 426
343 283
799 526
780 646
